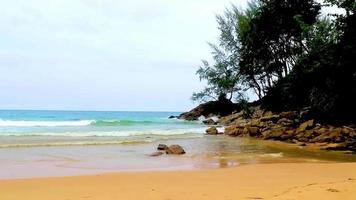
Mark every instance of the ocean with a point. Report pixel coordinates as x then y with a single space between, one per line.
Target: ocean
46 128
65 143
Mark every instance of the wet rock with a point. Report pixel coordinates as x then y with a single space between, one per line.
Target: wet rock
234 130
212 131
344 146
157 153
306 126
162 147
175 149
172 117
330 136
274 133
252 131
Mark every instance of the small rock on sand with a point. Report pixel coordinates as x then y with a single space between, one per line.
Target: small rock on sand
175 149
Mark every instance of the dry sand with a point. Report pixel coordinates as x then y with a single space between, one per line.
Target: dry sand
260 181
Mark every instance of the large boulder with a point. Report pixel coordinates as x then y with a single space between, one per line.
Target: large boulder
252 131
226 120
175 149
234 130
274 133
306 126
222 107
212 131
334 135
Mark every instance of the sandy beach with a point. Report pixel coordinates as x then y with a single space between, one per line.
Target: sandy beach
260 181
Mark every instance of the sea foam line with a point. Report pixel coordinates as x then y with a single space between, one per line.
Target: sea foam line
10 123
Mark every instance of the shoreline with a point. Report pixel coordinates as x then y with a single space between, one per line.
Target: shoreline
259 181
208 152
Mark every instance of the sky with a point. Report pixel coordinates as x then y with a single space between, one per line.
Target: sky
137 55
104 54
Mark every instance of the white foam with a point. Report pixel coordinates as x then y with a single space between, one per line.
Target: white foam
177 132
9 123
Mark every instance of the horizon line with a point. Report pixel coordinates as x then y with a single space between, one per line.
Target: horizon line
80 110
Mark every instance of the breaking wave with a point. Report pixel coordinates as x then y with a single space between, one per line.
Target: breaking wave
10 123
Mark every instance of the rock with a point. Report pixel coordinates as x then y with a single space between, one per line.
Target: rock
274 133
273 118
234 130
222 107
344 146
162 147
157 153
321 130
172 117
241 122
252 131
212 131
255 122
305 126
231 118
175 149
209 122
287 135
330 136
285 122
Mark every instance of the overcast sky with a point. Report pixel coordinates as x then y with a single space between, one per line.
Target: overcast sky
104 54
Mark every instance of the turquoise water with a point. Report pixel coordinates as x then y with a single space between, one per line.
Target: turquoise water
61 143
31 128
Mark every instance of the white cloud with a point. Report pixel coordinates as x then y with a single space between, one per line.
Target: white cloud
104 54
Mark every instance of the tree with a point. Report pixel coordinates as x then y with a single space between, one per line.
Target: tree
223 76
272 41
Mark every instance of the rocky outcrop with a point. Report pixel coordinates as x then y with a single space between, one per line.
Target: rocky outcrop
175 149
291 126
222 107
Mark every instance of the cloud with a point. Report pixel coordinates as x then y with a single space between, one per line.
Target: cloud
104 54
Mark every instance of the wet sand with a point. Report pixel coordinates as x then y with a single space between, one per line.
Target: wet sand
261 181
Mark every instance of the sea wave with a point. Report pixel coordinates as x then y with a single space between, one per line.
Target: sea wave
119 122
172 132
10 123
73 143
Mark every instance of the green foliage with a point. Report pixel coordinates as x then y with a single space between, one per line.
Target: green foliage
222 77
289 55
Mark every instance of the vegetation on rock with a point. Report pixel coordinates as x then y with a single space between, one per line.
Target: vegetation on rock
290 55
